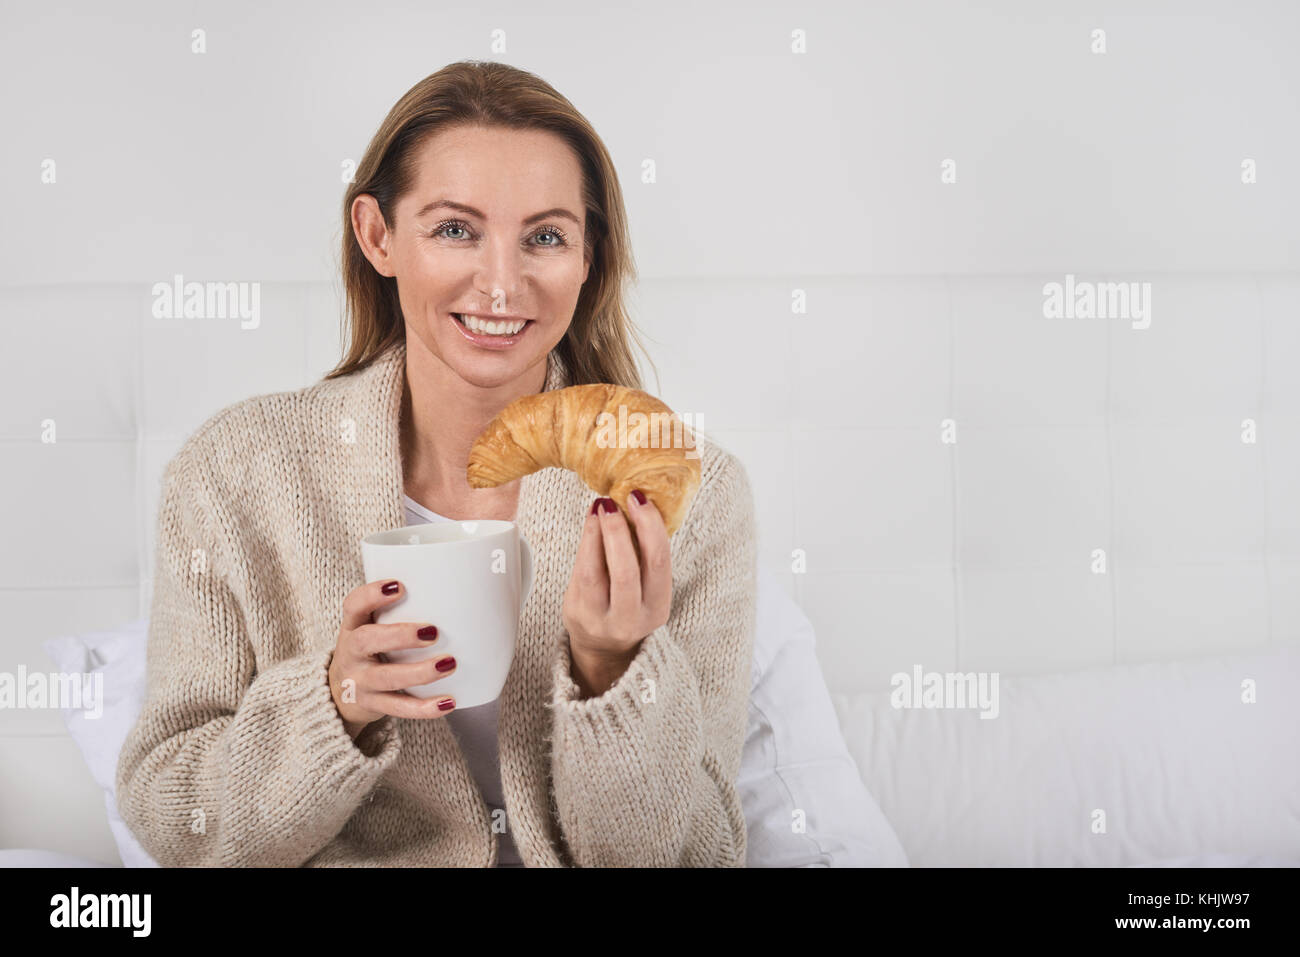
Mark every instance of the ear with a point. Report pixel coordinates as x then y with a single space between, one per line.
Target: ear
586 269
372 234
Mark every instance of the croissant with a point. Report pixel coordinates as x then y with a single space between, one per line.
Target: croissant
616 439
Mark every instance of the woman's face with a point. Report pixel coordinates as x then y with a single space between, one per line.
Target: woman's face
492 226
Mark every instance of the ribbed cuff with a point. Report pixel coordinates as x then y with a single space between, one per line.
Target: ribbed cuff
650 714
638 685
330 753
280 783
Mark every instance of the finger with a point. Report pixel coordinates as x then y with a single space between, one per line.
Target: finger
656 553
374 639
365 599
589 568
624 572
397 676
402 705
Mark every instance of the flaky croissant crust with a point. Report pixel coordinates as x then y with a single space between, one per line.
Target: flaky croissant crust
603 432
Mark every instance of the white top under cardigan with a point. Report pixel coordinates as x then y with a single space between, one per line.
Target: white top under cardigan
476 732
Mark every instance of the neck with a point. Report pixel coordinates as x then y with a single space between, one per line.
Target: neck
442 415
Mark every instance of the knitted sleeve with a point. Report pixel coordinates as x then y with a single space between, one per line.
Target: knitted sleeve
233 761
645 774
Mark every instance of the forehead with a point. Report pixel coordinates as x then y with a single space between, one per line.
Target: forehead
505 173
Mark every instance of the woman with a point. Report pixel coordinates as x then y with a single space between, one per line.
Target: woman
273 733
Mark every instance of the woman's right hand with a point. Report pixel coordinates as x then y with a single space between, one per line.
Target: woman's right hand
376 685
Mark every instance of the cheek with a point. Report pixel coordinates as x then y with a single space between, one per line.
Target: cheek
435 277
566 281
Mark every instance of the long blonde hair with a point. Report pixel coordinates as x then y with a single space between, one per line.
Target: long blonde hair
597 345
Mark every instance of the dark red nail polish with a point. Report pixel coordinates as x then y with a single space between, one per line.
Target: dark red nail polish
446 704
594 505
639 496
428 632
609 505
446 664
390 588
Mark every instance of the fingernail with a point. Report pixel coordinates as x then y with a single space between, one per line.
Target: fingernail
446 704
428 632
446 664
609 506
594 505
390 588
639 496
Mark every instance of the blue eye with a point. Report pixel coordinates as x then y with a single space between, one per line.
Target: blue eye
449 224
554 231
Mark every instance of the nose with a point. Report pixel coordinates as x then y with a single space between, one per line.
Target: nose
500 271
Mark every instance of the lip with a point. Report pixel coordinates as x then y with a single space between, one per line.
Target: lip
487 341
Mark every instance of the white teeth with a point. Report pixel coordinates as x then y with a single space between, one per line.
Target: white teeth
491 328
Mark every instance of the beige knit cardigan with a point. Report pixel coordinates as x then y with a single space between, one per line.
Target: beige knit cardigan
240 756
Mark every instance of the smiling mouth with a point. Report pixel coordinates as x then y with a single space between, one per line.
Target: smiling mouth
492 327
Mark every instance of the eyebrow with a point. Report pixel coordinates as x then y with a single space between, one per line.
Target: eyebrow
471 211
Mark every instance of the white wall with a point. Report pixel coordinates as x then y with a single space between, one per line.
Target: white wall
820 164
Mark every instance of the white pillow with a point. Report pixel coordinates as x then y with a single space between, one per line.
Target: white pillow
119 655
32 857
795 758
804 799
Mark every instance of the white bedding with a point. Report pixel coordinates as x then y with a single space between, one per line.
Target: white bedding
31 857
1166 764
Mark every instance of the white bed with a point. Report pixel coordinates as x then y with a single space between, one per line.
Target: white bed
879 785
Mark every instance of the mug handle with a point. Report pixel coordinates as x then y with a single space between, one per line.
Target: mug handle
526 569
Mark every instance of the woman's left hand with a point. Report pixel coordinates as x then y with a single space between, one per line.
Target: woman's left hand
613 601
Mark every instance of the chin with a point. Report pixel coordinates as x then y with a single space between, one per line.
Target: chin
489 369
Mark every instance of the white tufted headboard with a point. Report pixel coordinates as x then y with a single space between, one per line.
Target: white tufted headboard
971 485
1113 494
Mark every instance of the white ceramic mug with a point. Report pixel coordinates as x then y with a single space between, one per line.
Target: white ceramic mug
468 578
